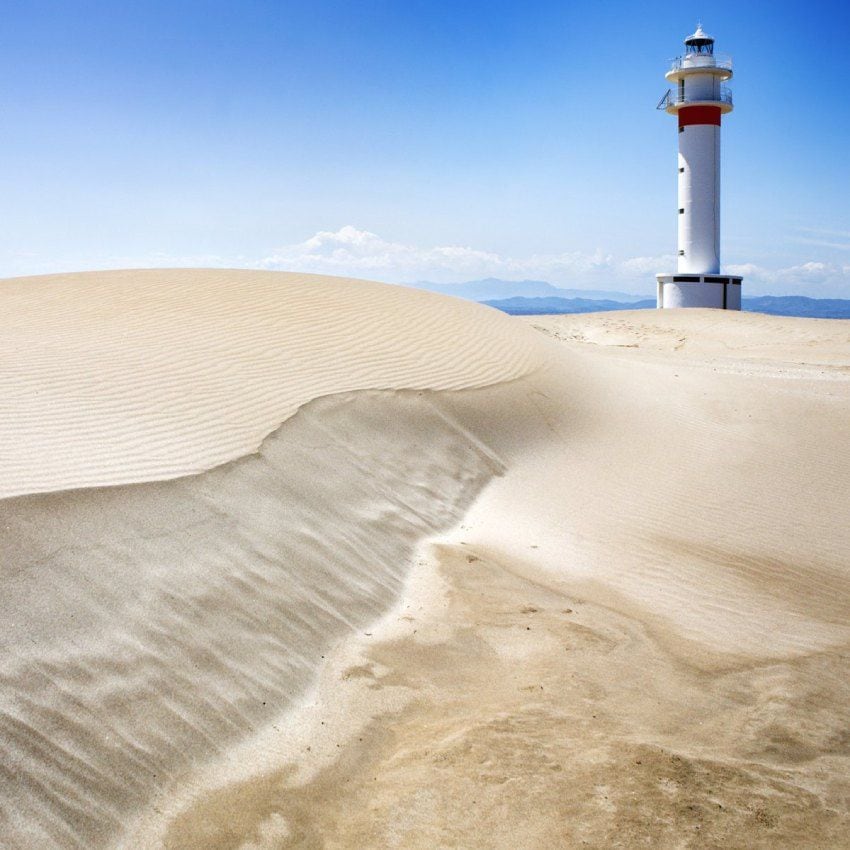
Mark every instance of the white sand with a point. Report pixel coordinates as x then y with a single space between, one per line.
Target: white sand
484 589
119 377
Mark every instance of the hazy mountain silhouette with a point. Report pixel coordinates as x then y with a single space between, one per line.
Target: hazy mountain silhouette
491 288
540 306
777 305
799 305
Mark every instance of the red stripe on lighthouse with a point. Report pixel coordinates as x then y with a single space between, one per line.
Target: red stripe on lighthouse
699 115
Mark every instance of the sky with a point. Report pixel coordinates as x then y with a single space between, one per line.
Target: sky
409 140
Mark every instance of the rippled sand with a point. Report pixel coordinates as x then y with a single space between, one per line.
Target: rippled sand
564 581
120 377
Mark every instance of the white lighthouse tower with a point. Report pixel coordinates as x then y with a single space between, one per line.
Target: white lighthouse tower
698 100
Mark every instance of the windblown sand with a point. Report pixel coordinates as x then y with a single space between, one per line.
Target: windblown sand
292 561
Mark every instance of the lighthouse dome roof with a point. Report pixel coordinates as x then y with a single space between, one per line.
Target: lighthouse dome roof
699 37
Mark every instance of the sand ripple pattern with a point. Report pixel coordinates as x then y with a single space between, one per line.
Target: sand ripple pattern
148 627
123 376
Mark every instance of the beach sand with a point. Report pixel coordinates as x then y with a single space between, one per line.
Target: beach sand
292 561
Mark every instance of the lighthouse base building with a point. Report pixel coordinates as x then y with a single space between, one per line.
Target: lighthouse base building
699 290
698 101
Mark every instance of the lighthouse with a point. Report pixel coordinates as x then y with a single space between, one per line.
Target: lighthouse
698 99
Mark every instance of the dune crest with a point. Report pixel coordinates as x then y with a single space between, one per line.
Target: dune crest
146 628
480 587
140 375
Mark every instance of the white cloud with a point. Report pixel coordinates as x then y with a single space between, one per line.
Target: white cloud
844 234
835 239
825 243
648 265
350 251
353 251
359 253
815 279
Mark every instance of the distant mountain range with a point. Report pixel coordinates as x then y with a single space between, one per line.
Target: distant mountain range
786 305
536 297
492 289
799 305
519 306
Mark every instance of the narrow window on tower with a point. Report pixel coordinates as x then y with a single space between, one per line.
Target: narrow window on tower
682 253
681 91
681 129
682 170
681 210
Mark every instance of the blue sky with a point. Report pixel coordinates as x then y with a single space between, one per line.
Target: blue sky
415 140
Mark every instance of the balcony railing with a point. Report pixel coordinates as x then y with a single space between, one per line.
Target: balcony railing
674 97
702 60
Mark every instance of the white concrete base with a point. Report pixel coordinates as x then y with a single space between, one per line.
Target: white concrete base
722 292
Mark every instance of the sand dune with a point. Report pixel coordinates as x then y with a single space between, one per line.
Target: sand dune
148 627
583 583
120 377
694 334
636 636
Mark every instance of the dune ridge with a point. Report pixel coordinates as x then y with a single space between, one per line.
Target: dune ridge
150 623
125 376
594 587
148 627
636 635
